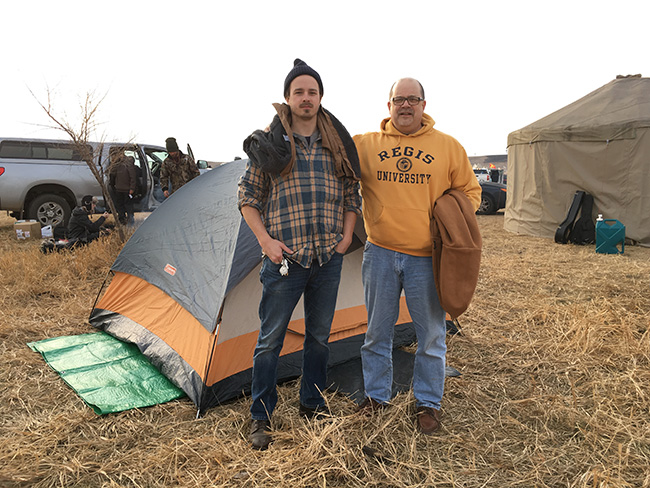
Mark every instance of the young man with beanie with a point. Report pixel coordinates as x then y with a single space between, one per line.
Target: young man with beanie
80 227
177 168
405 168
300 197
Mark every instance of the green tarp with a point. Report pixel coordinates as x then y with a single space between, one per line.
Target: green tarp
108 374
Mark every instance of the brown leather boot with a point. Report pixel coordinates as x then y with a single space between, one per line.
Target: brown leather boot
260 435
428 420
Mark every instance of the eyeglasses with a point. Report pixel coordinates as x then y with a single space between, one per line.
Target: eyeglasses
413 100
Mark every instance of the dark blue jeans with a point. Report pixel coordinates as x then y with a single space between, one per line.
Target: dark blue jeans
280 295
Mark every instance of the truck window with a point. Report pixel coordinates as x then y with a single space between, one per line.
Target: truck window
15 149
155 159
136 156
41 150
63 153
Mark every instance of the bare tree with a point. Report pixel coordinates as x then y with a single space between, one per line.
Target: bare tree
80 134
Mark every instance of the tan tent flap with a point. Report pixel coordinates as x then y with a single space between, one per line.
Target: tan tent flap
350 319
236 354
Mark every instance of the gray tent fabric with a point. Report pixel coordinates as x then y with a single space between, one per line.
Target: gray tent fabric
194 235
599 144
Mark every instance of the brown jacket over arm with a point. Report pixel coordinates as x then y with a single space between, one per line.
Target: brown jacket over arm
456 251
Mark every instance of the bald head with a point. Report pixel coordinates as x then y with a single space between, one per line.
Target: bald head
392 88
406 105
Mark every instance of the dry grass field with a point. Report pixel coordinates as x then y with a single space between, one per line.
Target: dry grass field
554 392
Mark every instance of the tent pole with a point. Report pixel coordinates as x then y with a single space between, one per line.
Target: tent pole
111 272
207 368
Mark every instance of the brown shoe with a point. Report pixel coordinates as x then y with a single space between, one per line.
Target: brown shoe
260 435
428 419
369 405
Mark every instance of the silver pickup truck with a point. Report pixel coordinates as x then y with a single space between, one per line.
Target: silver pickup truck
45 179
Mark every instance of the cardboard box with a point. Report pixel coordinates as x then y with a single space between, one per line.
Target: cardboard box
27 229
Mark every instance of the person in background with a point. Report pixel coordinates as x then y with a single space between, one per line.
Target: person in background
80 227
122 183
300 197
177 168
405 168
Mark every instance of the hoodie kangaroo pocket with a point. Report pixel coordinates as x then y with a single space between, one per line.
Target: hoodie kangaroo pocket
406 229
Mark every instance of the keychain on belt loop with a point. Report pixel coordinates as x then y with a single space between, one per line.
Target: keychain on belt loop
284 269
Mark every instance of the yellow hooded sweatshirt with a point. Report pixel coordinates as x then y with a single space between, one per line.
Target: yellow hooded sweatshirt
401 178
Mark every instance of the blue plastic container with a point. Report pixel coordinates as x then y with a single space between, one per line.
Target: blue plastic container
610 237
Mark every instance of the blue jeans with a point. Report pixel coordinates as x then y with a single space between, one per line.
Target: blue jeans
385 274
280 295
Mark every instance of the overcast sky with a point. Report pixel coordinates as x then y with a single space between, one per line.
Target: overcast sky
208 72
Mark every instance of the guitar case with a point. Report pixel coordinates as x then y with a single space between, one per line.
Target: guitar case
584 230
563 231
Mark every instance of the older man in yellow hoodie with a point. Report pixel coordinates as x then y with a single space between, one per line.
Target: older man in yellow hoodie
405 167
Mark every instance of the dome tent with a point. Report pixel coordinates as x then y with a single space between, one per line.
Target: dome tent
186 289
599 144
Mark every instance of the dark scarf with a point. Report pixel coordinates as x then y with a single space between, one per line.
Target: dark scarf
274 150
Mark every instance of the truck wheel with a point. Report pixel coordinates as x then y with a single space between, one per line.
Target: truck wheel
49 209
487 206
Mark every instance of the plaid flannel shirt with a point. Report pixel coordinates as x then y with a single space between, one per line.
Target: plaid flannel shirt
304 209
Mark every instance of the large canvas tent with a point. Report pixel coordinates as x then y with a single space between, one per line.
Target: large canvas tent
185 289
599 144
